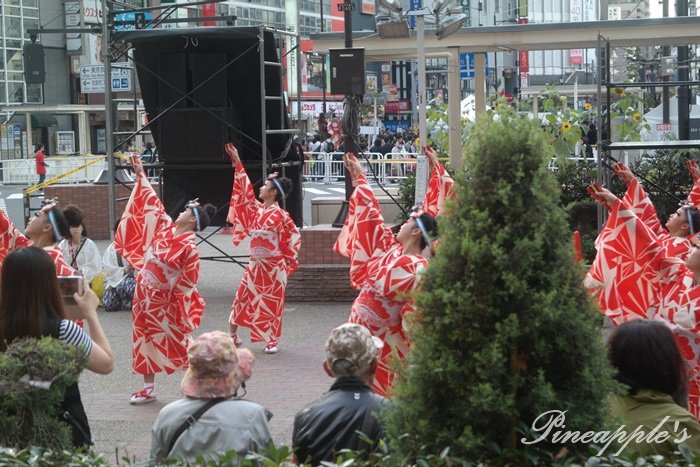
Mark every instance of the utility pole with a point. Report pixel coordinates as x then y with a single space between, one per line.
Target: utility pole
666 91
323 65
683 75
109 111
422 111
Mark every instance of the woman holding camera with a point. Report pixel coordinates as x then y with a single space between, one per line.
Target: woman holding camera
167 306
31 306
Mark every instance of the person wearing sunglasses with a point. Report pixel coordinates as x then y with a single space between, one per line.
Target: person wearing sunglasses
167 307
274 247
385 268
641 279
45 229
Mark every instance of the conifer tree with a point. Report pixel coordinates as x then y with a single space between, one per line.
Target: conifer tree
504 328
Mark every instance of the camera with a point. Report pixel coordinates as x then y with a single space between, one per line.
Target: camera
70 285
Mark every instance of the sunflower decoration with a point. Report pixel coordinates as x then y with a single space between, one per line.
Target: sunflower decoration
566 127
636 117
620 92
587 106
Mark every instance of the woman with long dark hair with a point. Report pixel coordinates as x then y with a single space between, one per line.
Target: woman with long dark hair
31 306
79 251
648 362
167 307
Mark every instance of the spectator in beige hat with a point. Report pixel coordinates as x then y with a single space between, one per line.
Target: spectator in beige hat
210 418
332 422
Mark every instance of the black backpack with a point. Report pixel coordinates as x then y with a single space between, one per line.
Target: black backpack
71 410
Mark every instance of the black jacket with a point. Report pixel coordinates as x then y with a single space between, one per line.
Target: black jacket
328 425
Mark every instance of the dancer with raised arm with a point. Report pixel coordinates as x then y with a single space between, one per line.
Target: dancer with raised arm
647 282
384 268
274 247
45 229
440 185
167 307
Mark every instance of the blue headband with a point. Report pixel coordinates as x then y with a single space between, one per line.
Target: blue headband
423 231
689 218
278 185
52 220
194 206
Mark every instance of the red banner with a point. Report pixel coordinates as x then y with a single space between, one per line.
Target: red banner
394 107
209 10
524 60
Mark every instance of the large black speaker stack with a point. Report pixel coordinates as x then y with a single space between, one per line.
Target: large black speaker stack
220 68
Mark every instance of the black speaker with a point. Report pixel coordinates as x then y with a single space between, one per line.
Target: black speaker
172 69
193 136
205 79
347 71
225 62
34 64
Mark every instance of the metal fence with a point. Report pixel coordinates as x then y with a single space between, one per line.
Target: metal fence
23 171
327 167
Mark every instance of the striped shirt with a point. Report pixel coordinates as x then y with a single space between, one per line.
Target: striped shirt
72 334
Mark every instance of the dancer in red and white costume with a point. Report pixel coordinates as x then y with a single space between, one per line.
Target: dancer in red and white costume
274 246
384 268
440 185
626 286
45 229
167 306
664 285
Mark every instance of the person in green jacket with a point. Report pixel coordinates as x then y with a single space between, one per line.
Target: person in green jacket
648 361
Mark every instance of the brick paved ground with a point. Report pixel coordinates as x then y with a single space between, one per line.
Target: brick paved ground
283 383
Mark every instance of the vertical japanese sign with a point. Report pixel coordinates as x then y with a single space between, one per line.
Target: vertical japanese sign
415 5
576 16
209 11
291 13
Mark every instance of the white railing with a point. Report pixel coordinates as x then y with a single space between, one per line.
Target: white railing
23 171
323 167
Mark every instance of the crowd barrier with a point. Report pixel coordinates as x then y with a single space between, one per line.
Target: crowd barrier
390 169
23 171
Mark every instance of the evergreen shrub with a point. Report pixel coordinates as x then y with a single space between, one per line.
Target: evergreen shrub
506 331
28 413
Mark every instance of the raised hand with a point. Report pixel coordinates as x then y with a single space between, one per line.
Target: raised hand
623 172
600 194
352 164
273 175
232 154
692 166
431 155
136 164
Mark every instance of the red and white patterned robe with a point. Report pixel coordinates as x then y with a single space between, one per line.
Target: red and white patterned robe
644 277
12 239
167 306
385 276
624 275
274 247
